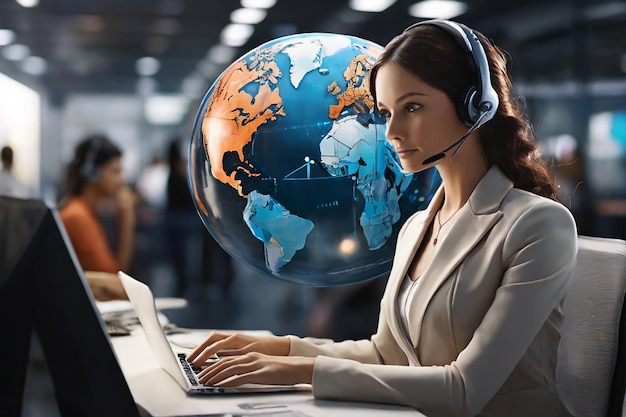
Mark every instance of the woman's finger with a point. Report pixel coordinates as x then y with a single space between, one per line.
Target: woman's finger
226 368
213 337
230 345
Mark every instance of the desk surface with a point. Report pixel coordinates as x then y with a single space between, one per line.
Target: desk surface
160 395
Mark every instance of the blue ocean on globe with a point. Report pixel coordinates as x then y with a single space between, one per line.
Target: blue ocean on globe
289 166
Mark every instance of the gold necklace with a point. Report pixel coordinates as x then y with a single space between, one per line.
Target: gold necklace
440 225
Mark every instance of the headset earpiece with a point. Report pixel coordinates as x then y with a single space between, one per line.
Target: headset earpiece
466 109
479 99
89 170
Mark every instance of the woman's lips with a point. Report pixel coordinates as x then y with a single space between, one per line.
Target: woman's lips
405 153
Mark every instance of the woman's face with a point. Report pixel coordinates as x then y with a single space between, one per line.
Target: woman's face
421 120
111 178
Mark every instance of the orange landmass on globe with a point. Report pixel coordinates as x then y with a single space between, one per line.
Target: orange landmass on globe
357 90
234 115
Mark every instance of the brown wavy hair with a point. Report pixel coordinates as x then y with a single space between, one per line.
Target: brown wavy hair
508 139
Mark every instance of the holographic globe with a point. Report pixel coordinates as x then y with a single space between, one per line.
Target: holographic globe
289 167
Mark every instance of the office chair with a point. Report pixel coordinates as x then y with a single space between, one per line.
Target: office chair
591 369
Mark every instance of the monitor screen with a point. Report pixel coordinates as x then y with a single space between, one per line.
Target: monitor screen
606 151
43 290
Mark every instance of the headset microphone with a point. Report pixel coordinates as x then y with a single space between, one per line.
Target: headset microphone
459 142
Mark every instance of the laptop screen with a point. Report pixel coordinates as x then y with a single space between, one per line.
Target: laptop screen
43 289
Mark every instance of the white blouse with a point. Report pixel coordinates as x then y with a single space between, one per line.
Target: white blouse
405 297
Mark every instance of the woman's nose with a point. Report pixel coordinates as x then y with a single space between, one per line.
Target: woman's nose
392 130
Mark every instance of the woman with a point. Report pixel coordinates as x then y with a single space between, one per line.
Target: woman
94 178
469 322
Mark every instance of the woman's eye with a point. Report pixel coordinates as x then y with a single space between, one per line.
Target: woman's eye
384 114
412 107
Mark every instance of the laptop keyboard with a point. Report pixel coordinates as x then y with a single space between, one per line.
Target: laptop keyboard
114 328
190 370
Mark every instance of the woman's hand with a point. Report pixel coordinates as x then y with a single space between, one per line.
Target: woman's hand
235 344
105 286
126 200
258 368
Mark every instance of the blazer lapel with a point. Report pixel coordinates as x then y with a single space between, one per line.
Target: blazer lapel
410 242
406 248
474 220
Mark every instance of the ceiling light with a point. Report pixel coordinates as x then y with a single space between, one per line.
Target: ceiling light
27 3
7 36
208 69
437 9
147 66
166 109
221 54
236 34
258 4
16 52
193 86
34 65
146 86
371 5
248 16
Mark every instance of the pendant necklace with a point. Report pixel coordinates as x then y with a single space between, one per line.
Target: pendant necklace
440 225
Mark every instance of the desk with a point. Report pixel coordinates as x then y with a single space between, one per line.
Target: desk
160 395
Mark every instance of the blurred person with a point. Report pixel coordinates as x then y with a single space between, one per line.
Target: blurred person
152 182
9 185
469 321
217 269
150 242
183 233
94 181
196 256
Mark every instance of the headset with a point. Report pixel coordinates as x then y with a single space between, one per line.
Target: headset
480 102
89 169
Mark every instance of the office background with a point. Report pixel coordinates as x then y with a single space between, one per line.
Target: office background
137 71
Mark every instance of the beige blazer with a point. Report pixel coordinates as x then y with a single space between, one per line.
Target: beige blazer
484 325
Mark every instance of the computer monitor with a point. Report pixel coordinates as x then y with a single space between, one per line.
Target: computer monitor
43 290
605 151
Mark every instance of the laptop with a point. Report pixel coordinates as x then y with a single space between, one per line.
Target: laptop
175 363
43 292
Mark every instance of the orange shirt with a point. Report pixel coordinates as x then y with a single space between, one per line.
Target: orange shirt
88 237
